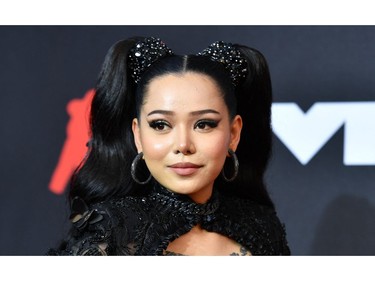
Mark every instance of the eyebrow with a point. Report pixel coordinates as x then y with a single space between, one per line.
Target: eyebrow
193 113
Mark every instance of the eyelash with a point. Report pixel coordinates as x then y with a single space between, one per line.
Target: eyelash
154 124
210 123
159 125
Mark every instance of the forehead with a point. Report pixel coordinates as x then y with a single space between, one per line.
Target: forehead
188 90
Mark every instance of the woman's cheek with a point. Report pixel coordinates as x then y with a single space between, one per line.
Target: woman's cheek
217 147
155 150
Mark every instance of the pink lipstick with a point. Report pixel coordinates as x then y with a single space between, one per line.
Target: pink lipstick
185 168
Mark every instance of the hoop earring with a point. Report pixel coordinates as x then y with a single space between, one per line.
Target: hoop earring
134 168
236 166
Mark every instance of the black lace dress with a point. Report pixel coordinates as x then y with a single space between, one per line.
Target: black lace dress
146 225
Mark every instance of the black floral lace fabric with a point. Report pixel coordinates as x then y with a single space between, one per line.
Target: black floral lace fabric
146 225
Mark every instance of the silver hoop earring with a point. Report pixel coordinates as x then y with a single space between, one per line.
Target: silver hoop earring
134 168
236 166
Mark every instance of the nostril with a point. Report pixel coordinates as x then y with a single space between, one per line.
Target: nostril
183 151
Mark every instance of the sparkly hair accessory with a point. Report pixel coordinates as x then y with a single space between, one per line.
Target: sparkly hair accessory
230 57
145 53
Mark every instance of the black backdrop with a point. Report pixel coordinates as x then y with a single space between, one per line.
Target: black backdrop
327 203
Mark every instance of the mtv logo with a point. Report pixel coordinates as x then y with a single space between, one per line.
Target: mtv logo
304 134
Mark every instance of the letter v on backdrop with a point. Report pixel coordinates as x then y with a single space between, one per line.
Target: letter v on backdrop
304 134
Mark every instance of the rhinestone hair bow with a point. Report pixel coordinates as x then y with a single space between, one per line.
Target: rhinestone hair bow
230 57
145 53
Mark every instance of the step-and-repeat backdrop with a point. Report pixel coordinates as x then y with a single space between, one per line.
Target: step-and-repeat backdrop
322 173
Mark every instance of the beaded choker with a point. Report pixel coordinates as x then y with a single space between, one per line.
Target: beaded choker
183 204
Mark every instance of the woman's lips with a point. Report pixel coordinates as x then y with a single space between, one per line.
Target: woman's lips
184 168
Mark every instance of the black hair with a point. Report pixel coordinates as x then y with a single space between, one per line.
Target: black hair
105 172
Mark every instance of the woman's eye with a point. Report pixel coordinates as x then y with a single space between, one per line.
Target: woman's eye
205 124
159 125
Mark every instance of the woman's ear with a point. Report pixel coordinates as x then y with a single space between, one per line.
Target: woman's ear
136 134
235 132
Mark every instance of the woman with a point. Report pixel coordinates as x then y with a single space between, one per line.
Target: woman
166 172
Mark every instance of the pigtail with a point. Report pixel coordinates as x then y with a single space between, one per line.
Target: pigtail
106 170
254 100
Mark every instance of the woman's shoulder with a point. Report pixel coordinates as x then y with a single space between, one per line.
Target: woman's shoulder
95 227
258 221
126 206
111 212
253 213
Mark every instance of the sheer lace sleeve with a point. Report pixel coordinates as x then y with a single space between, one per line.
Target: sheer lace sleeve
90 233
114 227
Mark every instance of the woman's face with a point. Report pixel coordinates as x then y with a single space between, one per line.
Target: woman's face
184 132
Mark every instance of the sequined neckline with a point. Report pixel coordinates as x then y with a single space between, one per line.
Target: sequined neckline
183 203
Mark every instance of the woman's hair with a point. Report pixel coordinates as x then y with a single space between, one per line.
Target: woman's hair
105 172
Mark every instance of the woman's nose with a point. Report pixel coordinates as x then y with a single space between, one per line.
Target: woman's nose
184 143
